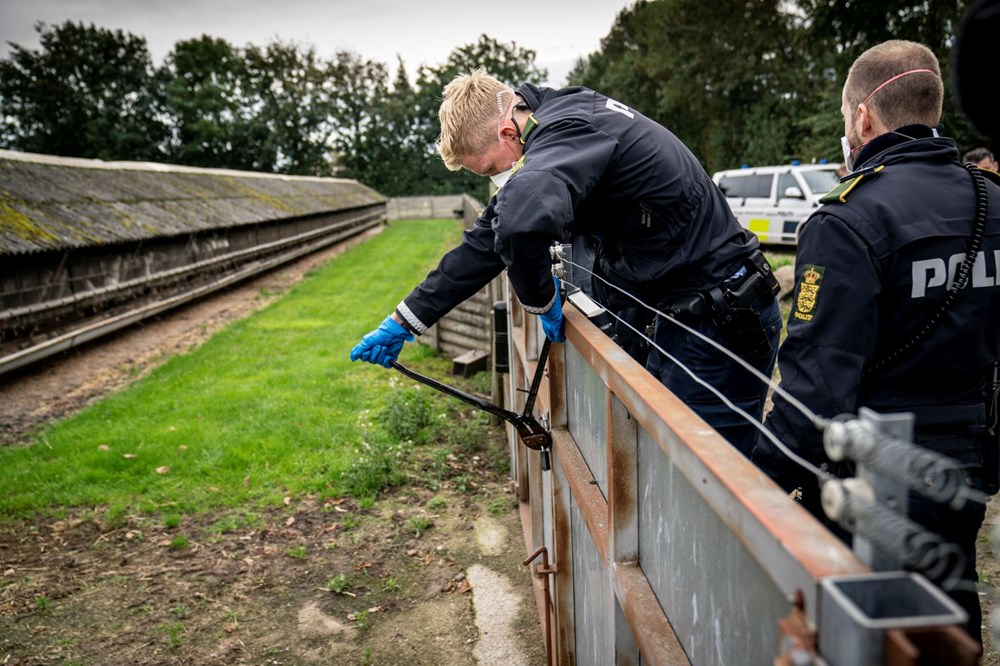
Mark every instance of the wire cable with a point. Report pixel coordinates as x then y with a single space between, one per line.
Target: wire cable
931 476
816 420
802 462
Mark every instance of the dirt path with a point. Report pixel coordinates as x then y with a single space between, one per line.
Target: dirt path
311 583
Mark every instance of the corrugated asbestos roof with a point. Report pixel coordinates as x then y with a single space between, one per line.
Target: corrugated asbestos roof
51 203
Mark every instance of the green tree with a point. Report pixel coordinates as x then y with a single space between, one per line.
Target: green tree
258 108
87 92
621 67
839 31
360 108
285 111
203 92
759 81
385 152
704 77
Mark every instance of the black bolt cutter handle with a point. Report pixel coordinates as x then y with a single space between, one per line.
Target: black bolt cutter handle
536 381
528 428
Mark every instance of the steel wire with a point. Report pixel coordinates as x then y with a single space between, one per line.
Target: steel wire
927 472
802 462
818 421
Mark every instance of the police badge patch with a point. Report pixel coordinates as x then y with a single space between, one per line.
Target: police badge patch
808 292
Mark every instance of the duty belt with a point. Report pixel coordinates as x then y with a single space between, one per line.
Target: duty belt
754 279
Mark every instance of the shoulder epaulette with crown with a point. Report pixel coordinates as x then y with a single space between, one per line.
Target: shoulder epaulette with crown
840 192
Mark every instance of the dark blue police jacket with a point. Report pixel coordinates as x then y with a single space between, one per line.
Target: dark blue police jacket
594 167
871 268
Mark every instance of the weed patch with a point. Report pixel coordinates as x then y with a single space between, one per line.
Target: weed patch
420 524
406 417
339 584
377 466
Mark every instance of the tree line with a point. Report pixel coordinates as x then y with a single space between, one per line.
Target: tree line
739 81
92 92
759 81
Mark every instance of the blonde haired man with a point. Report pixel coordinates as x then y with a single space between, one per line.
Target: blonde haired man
470 109
575 164
872 322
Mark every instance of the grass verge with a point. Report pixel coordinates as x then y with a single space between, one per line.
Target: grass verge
268 407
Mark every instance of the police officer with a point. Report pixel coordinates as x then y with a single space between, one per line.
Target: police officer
981 157
573 162
869 325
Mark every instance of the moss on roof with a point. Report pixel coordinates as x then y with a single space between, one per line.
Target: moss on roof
47 205
15 222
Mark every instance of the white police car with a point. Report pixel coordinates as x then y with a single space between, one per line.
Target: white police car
772 201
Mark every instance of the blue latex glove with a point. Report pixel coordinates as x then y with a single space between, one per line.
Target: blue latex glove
552 321
383 344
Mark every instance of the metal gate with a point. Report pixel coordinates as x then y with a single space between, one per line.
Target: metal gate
654 541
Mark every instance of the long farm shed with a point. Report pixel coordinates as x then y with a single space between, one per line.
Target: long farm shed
92 241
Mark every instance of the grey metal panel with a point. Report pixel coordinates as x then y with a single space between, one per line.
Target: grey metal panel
586 413
593 599
721 604
626 652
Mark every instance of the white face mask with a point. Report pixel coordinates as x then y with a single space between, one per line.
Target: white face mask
501 178
846 147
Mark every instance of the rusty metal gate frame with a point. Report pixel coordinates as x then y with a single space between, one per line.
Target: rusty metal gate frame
792 549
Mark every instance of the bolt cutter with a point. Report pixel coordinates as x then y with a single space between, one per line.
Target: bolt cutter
528 428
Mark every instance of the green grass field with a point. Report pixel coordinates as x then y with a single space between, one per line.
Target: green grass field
268 407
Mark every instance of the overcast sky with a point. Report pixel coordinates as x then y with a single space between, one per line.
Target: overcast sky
420 31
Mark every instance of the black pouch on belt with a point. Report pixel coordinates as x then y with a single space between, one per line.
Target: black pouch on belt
740 326
731 307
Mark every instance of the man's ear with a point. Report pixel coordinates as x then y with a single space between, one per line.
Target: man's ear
508 133
868 123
